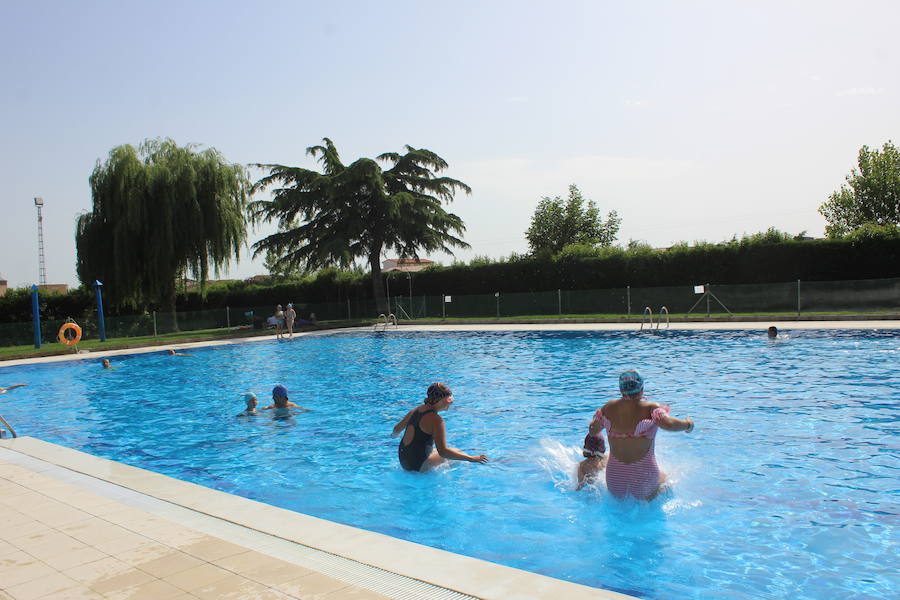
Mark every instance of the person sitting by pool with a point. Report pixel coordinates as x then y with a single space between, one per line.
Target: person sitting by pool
3 390
424 428
173 353
772 332
631 424
252 403
594 452
280 399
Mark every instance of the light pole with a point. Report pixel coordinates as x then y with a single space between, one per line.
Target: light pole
42 268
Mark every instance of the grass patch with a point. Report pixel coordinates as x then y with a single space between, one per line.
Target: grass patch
179 337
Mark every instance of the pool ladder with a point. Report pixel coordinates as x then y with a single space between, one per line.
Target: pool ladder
388 320
8 427
649 312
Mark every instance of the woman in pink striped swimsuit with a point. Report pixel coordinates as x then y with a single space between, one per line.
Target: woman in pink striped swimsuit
631 424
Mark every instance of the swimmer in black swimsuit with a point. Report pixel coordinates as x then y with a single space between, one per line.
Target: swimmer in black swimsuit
424 428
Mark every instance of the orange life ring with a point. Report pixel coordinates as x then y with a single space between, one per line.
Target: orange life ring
62 334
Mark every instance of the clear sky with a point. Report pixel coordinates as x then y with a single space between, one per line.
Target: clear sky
694 120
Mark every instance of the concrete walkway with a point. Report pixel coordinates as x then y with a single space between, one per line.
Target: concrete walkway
61 542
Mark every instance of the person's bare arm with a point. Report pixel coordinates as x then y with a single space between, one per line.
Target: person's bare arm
401 425
670 423
440 442
596 425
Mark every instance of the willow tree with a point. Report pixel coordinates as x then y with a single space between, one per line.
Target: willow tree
348 212
160 211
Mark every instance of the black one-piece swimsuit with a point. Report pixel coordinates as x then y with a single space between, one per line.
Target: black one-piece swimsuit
413 455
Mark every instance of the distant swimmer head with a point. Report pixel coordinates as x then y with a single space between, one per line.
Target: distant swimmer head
251 400
438 392
631 383
773 332
106 364
279 391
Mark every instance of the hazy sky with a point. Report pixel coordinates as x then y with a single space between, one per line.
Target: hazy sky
694 120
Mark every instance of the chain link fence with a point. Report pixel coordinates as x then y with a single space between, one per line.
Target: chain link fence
797 297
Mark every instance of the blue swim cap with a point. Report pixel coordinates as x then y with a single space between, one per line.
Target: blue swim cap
279 391
631 382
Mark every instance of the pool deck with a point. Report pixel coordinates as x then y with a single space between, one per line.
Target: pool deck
569 325
74 526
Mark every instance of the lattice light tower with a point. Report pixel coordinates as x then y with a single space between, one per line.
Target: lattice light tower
42 267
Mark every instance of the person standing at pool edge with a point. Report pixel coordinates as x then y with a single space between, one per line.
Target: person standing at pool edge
423 429
289 315
631 424
279 322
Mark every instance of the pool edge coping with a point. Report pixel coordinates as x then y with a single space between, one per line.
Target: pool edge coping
442 568
568 326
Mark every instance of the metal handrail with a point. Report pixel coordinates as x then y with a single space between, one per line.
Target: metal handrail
659 318
8 426
647 311
388 320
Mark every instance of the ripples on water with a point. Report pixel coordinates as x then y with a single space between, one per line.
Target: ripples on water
788 486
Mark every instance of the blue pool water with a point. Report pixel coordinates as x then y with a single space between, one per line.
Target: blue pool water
787 488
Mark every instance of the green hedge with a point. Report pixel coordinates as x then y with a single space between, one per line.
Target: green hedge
860 257
812 260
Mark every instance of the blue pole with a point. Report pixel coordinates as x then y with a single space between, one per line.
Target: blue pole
36 316
101 321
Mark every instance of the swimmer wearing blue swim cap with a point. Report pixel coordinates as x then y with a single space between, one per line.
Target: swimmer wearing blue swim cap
280 399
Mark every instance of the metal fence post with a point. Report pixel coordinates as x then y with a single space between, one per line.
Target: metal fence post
497 296
228 317
154 323
348 308
798 297
443 306
628 296
559 300
708 292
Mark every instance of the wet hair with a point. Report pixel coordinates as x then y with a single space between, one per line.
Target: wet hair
436 392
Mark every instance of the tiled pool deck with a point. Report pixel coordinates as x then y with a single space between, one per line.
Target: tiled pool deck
77 526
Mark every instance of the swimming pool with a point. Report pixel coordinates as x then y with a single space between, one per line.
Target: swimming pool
788 487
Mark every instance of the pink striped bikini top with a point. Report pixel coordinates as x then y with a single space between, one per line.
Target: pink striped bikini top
646 428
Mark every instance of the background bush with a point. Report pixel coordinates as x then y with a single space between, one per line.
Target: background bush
872 252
